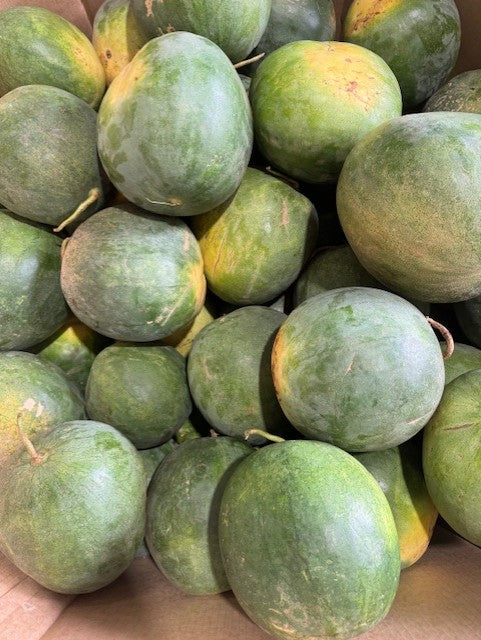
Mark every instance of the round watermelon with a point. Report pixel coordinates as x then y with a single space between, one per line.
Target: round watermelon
358 367
141 390
461 93
419 40
409 201
309 543
312 101
49 154
463 359
255 246
133 276
182 165
40 47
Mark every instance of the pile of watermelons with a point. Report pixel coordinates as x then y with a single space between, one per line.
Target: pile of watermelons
114 359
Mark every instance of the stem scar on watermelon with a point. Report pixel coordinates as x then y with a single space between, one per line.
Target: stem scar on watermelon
446 335
35 455
244 63
94 195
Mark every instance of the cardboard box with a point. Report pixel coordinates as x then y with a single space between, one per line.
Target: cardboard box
438 598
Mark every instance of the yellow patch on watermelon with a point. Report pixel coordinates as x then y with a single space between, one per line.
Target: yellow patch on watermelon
364 12
123 84
183 338
278 351
415 532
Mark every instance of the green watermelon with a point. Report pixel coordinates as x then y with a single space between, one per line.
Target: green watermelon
183 512
32 306
358 367
141 390
312 101
468 314
464 358
452 456
73 348
186 432
40 47
236 27
151 458
409 201
255 246
229 372
133 276
38 392
49 154
399 473
294 20
72 515
419 40
308 541
116 36
461 93
182 165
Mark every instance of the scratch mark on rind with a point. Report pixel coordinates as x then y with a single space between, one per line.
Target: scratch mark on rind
466 425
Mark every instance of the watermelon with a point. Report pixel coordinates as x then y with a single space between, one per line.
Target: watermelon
72 512
183 512
141 390
229 372
340 92
40 47
419 39
185 165
183 338
399 473
409 201
464 358
73 348
461 93
49 154
452 456
186 432
468 314
308 541
39 392
130 275
358 367
151 458
255 246
32 306
116 36
296 20
236 27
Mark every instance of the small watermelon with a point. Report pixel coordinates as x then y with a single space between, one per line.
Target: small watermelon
461 93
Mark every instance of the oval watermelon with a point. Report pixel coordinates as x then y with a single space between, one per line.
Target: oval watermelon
308 541
182 165
461 93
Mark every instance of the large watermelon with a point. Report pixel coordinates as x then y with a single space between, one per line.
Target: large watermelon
49 154
255 246
461 93
358 367
159 141
309 543
419 39
409 201
236 27
40 47
312 101
133 276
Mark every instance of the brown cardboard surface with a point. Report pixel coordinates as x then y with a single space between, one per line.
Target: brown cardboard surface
72 10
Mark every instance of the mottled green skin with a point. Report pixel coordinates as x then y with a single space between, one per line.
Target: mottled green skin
133 276
39 390
255 246
292 20
49 154
358 367
230 376
141 390
336 104
452 456
409 201
464 358
461 93
236 27
185 165
73 521
32 306
399 473
72 348
309 543
151 458
40 47
183 512
419 40
468 314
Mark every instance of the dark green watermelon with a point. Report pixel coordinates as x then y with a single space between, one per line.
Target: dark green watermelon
461 93
308 541
49 154
182 165
468 314
73 516
141 390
